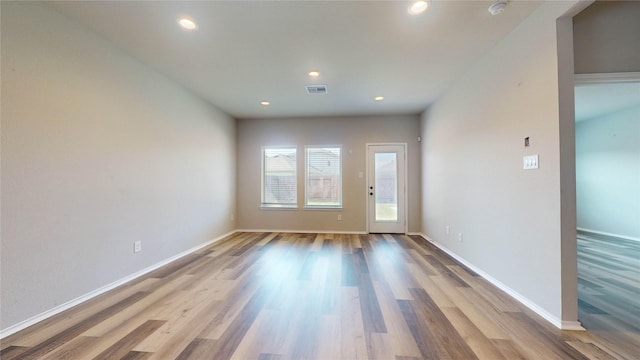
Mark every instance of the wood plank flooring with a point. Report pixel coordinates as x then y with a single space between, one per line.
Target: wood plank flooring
609 288
308 296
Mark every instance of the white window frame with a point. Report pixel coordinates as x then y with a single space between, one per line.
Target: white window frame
264 204
306 178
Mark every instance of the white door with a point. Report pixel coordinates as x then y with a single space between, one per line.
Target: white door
386 188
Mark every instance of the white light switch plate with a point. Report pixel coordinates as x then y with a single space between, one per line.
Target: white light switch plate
530 162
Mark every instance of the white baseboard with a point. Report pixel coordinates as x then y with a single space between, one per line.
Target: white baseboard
69 304
609 234
563 325
303 231
315 231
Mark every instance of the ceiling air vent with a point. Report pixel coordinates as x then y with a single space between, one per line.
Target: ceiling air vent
316 89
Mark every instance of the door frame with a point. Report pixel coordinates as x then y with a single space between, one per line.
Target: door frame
404 185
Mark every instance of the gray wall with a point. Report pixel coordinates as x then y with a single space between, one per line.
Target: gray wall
606 37
608 173
472 176
350 132
98 151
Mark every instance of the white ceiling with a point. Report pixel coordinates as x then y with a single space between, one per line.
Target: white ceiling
596 100
247 51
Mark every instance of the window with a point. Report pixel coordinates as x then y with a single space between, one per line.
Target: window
323 183
279 185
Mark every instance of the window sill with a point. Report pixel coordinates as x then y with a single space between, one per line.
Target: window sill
278 207
323 208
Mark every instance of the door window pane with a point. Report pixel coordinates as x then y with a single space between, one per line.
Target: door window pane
386 186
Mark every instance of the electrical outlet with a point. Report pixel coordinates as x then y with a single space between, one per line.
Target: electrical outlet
339 217
460 237
447 230
137 246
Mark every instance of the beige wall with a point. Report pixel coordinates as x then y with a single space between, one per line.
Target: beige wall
472 176
352 133
98 151
606 38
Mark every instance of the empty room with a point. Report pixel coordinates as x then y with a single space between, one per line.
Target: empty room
318 180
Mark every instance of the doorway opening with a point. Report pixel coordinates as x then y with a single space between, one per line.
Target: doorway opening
608 199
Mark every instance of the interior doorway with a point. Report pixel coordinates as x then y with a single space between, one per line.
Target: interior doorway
608 199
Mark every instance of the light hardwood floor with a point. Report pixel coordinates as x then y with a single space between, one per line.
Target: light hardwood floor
609 288
308 296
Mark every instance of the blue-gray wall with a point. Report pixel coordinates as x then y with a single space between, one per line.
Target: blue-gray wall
608 173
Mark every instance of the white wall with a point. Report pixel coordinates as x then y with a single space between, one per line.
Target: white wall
608 173
472 176
98 151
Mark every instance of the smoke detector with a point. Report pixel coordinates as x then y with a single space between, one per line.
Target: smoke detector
498 7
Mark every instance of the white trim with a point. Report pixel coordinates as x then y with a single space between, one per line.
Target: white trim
278 207
606 78
88 296
304 231
322 208
406 187
609 234
563 325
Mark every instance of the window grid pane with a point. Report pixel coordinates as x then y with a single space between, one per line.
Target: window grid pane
386 185
324 177
279 177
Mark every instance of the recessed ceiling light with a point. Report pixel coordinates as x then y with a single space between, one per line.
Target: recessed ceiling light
187 23
314 73
265 103
419 6
378 98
